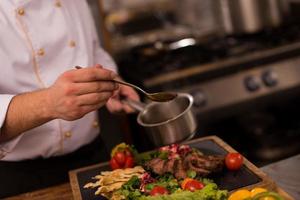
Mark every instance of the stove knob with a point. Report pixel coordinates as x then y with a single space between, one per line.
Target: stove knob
199 98
252 83
270 78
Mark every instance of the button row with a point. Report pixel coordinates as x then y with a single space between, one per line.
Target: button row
41 52
68 134
21 11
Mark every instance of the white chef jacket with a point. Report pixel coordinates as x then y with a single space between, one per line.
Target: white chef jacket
39 40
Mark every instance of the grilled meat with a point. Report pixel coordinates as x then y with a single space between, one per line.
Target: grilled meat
179 170
156 165
203 165
169 165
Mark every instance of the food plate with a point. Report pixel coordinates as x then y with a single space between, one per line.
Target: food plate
248 176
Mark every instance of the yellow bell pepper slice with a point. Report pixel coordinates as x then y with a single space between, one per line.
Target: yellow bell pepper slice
240 195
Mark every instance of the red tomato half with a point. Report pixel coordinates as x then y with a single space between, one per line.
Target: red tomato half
191 185
129 162
234 161
158 190
120 158
114 164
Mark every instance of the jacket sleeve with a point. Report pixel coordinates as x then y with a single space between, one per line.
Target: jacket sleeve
5 147
5 100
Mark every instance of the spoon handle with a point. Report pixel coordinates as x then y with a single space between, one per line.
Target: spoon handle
123 83
130 85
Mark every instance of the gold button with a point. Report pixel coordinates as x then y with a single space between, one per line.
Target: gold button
95 124
58 4
21 11
72 43
68 134
41 52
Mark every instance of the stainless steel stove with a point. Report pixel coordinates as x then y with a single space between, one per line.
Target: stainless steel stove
245 87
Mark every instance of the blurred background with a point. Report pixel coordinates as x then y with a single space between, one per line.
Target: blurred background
240 59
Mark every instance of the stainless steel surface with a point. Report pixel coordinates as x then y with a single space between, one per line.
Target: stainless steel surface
201 16
178 19
169 122
160 46
239 86
158 96
286 175
137 105
176 45
250 16
246 85
218 65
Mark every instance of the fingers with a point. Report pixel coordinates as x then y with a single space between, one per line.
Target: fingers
90 108
129 93
95 87
90 74
114 106
128 109
93 98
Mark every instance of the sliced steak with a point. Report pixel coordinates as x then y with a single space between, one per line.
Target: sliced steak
191 163
203 165
156 165
211 163
169 166
179 171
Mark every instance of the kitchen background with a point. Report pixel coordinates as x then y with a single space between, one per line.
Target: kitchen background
240 59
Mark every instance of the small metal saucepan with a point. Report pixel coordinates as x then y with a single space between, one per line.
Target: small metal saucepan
167 122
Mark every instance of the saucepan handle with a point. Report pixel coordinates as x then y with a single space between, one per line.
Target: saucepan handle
139 106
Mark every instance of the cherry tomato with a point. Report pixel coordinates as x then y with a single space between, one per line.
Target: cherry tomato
114 164
120 158
185 181
158 190
191 184
129 162
234 161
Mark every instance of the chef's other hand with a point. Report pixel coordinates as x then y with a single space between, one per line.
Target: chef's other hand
80 91
115 105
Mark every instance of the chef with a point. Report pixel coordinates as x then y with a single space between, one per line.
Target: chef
48 115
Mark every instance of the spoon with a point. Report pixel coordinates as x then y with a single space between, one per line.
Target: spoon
157 96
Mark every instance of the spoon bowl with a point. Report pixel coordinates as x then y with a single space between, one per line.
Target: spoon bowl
157 96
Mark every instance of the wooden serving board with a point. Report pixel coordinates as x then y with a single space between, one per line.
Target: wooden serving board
249 176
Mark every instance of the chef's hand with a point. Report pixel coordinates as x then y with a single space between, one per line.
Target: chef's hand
115 105
80 91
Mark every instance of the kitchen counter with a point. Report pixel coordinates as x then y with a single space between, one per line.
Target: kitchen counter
285 173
